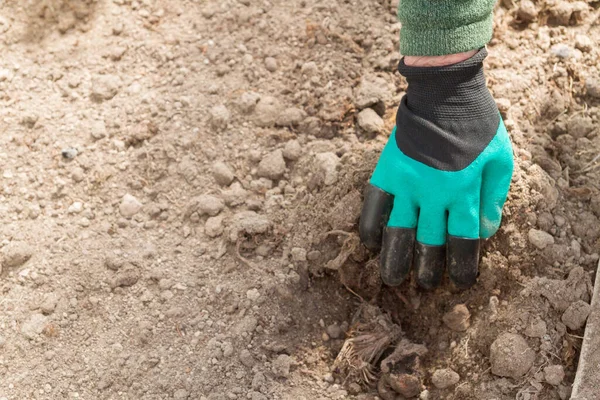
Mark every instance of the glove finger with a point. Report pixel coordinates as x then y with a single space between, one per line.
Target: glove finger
462 261
430 250
462 258
398 242
374 216
497 175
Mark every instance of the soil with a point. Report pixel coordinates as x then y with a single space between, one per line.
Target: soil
181 182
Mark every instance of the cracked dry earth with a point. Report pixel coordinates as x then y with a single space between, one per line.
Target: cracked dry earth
180 188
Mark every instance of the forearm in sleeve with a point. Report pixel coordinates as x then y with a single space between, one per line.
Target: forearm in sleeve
442 27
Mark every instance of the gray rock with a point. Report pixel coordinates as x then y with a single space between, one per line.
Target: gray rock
247 359
292 150
222 173
511 356
266 111
334 331
584 43
105 87
458 319
592 87
272 166
575 316
369 121
371 91
34 326
554 374
326 168
527 11
16 254
219 116
444 378
248 222
247 102
129 206
540 239
69 153
214 226
562 50
281 366
205 205
235 195
291 117
271 64
98 130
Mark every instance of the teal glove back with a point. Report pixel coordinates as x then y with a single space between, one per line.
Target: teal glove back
465 204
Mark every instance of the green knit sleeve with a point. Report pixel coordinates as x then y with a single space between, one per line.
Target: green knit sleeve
441 27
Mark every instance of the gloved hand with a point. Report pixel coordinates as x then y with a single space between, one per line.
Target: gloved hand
443 177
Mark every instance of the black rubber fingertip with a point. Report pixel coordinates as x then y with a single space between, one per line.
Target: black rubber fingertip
462 260
429 265
396 255
376 210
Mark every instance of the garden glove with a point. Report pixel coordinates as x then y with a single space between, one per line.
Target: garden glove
442 178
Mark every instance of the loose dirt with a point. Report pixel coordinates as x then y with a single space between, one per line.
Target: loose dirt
181 182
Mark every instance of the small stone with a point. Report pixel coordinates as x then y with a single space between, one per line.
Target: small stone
219 116
126 277
326 164
554 374
113 263
214 226
129 206
309 68
298 254
281 366
537 328
271 64
266 111
291 117
49 304
527 11
575 316
98 130
272 166
592 87
562 50
253 294
34 326
334 331
16 254
444 378
181 394
511 356
292 150
246 358
207 205
540 239
370 121
248 222
69 153
583 43
105 87
222 173
247 102
458 319
371 91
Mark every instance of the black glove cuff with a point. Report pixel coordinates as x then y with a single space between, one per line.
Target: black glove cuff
449 92
448 116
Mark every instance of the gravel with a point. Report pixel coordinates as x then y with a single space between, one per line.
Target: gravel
222 173
129 206
444 378
540 239
458 319
576 315
511 356
369 121
272 166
